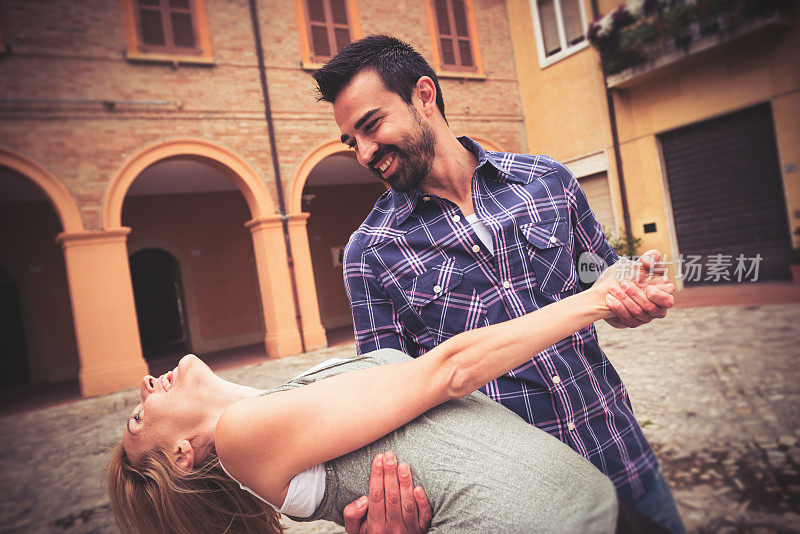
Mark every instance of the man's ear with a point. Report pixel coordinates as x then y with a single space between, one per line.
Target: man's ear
427 95
184 454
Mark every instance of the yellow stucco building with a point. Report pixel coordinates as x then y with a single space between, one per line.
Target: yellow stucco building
705 131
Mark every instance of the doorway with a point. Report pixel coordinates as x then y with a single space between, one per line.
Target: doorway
160 307
14 362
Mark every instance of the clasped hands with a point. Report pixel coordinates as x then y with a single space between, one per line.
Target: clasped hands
636 292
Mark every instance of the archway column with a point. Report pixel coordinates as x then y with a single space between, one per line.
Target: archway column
103 310
275 287
313 331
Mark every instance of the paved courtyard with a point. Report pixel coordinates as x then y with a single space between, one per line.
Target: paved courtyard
717 391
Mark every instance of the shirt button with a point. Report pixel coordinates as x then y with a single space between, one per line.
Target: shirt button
506 284
476 248
553 239
571 425
456 218
556 379
426 199
437 289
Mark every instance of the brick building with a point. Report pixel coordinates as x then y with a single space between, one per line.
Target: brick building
141 196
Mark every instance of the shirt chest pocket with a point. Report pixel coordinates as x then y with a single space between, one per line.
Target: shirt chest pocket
550 255
443 301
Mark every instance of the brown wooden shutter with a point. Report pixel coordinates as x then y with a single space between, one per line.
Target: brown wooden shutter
455 44
167 26
462 33
183 34
329 28
151 27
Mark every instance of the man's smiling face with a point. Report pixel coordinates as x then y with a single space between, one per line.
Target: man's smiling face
389 136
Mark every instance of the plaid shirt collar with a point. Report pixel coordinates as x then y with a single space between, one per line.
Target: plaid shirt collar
490 166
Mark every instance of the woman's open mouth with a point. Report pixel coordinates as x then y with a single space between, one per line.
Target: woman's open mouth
167 380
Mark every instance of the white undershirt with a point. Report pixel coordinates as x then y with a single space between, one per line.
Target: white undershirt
306 489
305 492
481 231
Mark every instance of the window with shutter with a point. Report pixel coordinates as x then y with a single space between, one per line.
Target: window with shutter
455 40
167 30
329 28
560 28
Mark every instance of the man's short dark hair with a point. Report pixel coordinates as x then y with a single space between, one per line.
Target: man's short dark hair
397 63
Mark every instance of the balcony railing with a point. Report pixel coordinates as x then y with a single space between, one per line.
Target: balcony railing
644 36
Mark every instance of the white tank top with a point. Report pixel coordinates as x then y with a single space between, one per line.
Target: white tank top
305 492
306 489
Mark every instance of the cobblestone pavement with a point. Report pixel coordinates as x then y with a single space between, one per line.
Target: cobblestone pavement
717 391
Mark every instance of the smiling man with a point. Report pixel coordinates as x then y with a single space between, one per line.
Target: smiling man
466 238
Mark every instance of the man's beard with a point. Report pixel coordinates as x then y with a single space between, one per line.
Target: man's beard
413 157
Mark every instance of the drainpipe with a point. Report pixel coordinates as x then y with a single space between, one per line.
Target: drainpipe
262 71
615 139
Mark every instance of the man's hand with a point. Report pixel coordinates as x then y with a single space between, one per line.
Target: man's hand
641 294
394 505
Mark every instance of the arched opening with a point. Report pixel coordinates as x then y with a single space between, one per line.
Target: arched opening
158 293
338 194
329 196
39 351
198 291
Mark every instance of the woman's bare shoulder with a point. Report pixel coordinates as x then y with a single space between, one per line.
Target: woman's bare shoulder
248 443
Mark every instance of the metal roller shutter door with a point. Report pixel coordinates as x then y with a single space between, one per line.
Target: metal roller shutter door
727 195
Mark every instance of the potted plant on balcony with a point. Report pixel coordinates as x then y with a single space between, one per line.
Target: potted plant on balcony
678 21
642 30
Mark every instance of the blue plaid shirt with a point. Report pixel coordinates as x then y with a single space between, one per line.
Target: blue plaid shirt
416 274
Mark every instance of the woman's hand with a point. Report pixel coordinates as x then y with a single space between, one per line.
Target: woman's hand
634 293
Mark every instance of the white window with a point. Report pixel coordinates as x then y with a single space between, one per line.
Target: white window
560 27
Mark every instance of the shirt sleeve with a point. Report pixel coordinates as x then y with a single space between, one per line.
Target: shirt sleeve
589 235
375 320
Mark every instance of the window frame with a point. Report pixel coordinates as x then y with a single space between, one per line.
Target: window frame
566 50
137 51
304 31
472 28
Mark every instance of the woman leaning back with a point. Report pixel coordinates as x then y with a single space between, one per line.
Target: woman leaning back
483 468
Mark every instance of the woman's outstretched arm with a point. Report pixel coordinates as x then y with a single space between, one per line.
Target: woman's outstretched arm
265 441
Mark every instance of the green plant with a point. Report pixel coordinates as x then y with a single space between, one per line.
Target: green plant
638 36
621 244
679 17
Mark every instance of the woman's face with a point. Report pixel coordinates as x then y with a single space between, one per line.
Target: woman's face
173 407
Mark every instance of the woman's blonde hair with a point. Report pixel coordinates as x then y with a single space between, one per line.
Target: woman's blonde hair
157 495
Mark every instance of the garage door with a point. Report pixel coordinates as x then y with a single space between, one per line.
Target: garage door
599 196
727 195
